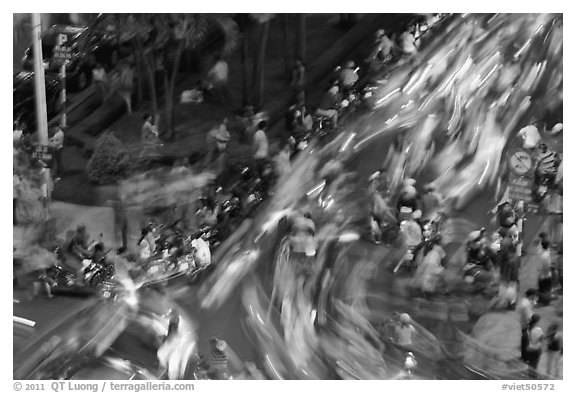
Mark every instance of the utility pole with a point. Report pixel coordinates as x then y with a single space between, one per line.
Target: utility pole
41 115
40 85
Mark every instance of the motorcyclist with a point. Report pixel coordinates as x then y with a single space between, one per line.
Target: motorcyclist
201 252
479 265
348 76
408 195
78 246
382 47
303 246
329 105
380 211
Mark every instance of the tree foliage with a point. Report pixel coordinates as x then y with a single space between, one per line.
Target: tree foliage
108 163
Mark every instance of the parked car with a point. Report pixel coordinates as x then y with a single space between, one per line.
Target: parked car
24 98
88 45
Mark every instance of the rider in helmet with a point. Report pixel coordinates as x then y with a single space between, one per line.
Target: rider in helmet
382 47
348 76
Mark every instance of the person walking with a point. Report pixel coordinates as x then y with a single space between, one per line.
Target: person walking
100 80
509 273
553 354
525 309
260 148
534 348
126 85
149 134
298 79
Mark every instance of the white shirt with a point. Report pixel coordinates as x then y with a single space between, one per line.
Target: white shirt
220 71
57 140
531 136
202 255
261 144
525 310
99 74
405 334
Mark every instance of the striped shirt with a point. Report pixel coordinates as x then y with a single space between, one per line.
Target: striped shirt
547 162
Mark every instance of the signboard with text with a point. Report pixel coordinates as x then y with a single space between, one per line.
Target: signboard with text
521 178
61 51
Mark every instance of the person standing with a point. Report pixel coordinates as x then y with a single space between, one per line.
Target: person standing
217 361
218 79
298 79
544 272
260 148
57 145
405 331
150 134
126 85
534 348
525 310
100 80
553 350
509 273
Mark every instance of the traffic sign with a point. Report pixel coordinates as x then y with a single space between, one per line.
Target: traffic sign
61 51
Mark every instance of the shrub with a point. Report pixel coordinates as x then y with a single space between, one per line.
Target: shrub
109 161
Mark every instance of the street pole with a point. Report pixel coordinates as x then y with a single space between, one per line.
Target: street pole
63 120
40 86
41 113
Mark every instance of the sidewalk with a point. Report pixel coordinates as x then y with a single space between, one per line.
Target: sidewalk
194 121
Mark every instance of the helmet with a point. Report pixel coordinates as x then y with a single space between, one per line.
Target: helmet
349 64
408 182
474 236
405 318
380 33
557 129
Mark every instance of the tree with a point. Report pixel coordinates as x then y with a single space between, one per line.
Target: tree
264 21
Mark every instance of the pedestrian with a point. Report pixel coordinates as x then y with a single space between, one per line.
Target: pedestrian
509 273
150 135
260 143
217 361
126 85
100 80
544 264
217 142
534 348
428 271
525 309
41 283
554 344
57 145
218 79
298 79
405 331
